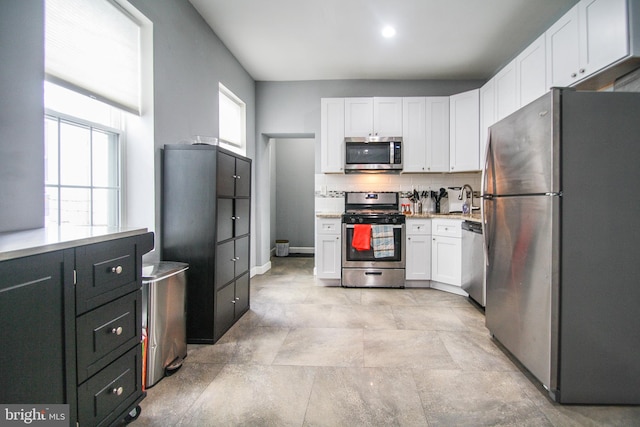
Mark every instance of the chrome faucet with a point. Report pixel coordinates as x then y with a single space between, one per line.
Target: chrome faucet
462 196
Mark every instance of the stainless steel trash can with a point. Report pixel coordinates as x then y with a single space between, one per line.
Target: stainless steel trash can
164 317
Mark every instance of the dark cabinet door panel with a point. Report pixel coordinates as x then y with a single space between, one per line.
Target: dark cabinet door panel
225 313
243 178
226 175
242 294
242 255
225 263
242 212
32 321
226 219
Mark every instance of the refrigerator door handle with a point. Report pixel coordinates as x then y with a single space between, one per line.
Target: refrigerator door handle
485 229
485 169
486 196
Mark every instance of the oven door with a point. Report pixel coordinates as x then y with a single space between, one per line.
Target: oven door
352 257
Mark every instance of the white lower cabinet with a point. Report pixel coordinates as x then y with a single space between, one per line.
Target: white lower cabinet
446 255
445 260
328 248
418 249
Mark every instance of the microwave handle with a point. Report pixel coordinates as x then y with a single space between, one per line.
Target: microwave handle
392 152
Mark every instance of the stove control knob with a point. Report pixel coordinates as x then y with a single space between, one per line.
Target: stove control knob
352 220
395 220
360 220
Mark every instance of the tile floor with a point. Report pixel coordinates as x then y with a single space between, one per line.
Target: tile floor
309 355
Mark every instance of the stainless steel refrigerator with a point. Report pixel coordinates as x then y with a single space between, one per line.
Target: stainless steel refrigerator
561 215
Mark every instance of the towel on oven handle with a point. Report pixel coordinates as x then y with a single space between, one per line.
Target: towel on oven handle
382 237
361 240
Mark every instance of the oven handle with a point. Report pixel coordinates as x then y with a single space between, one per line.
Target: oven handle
393 226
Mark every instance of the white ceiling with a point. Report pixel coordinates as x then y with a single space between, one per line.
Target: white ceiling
282 40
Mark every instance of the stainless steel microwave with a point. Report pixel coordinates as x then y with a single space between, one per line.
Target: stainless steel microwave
373 154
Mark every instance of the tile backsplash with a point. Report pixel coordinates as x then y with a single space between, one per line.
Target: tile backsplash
330 188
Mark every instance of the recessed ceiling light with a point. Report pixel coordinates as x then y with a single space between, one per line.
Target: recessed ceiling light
388 32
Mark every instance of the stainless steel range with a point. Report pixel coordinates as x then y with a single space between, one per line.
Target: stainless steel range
373 241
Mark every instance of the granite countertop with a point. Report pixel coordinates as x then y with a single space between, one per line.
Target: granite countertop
328 215
18 244
476 217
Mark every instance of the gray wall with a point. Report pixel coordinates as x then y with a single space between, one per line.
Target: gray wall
21 115
294 192
293 108
189 61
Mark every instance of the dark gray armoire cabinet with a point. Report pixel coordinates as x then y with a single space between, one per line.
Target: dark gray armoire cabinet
206 202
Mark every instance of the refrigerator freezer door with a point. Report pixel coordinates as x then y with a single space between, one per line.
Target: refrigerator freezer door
522 276
523 150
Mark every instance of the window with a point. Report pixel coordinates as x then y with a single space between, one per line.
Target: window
232 121
82 161
93 63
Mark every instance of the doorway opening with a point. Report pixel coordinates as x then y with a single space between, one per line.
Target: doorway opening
292 193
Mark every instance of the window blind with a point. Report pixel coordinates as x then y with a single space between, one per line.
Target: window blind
93 47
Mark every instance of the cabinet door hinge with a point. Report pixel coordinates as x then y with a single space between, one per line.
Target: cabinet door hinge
75 277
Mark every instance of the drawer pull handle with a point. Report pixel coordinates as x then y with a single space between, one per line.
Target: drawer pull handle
233 260
237 298
233 301
117 270
117 331
117 391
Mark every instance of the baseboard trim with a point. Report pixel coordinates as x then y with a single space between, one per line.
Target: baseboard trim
301 250
260 269
448 288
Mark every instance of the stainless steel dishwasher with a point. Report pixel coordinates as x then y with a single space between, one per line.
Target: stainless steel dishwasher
473 279
164 318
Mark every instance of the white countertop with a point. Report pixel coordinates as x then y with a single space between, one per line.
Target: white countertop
17 244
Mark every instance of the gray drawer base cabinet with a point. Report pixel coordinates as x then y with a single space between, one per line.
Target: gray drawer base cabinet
206 204
75 342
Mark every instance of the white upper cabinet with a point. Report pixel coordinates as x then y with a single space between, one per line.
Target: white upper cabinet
332 135
591 36
414 135
358 118
437 130
373 117
387 116
531 70
464 128
562 50
425 134
506 91
603 33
